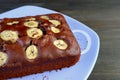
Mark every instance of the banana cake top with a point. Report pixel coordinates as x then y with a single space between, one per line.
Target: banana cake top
35 39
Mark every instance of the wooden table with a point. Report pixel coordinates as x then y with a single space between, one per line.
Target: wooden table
103 16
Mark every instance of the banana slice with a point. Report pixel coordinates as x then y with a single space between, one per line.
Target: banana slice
9 35
45 17
31 19
32 52
3 58
14 22
55 30
31 24
10 23
55 22
60 44
34 33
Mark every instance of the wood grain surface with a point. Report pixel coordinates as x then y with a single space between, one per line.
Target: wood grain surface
103 16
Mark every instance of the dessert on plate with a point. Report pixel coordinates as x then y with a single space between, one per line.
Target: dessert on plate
34 44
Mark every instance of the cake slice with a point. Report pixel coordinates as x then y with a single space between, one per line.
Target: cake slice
34 44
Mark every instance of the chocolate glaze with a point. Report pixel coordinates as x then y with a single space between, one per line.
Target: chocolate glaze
48 53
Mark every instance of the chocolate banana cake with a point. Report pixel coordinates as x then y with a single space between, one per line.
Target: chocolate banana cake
34 44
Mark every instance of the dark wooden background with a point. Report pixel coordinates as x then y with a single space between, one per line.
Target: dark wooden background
103 16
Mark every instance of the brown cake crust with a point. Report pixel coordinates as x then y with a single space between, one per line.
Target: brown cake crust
49 56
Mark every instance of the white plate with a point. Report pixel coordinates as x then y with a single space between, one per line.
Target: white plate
87 38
